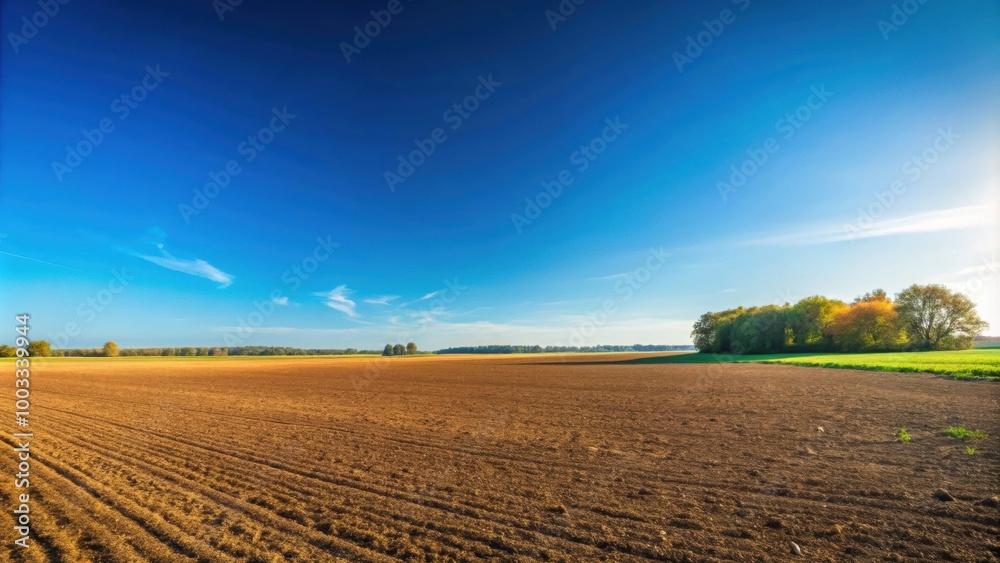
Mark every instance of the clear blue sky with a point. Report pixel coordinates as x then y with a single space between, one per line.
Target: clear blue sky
102 244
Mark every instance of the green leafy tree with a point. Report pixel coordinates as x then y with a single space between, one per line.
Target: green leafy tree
398 350
760 330
7 351
811 318
111 349
938 318
712 331
875 295
387 351
411 348
40 349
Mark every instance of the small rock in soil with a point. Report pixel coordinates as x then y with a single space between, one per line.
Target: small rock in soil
942 495
795 548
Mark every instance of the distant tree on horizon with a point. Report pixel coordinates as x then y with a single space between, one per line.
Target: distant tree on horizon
387 351
40 349
398 350
411 348
111 349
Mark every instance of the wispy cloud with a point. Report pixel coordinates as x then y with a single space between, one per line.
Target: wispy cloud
987 269
284 330
383 300
337 299
196 267
283 300
609 277
929 222
430 295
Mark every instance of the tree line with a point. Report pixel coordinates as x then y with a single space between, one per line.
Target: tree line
922 317
41 348
522 349
399 349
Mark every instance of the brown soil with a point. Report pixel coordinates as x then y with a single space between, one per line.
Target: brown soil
515 458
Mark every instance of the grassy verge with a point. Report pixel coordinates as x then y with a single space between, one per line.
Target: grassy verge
960 364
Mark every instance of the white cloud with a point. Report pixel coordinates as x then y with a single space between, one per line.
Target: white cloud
283 300
196 267
929 222
383 300
337 299
430 295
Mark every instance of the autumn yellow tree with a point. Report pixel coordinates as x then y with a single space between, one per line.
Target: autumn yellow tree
868 326
111 349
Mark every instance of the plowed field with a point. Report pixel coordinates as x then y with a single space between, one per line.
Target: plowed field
515 458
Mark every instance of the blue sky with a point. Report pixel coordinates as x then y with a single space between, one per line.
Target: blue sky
104 236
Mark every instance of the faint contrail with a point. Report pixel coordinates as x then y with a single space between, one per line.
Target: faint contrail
41 261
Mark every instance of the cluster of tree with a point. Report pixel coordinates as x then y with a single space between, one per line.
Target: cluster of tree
35 348
513 349
399 350
922 317
111 349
